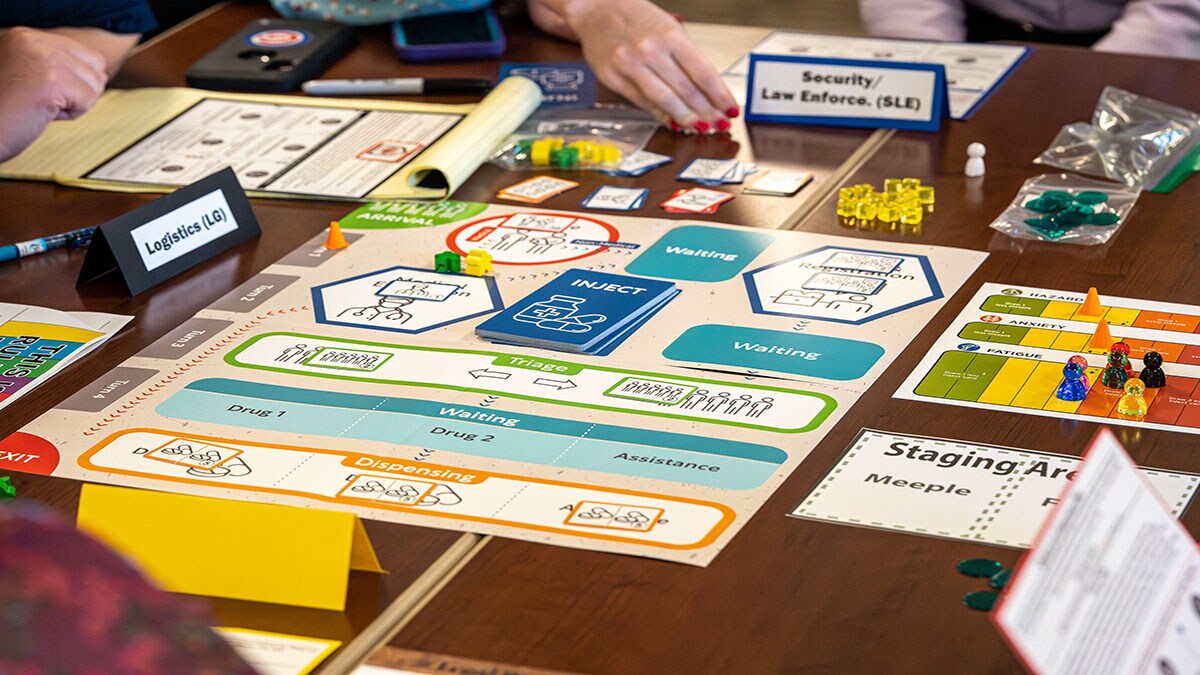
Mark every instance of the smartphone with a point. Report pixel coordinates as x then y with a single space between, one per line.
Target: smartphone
449 37
272 55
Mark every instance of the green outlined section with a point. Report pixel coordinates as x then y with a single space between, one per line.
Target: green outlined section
401 215
751 406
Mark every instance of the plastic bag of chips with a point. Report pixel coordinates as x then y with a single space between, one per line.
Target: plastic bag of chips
576 138
1134 140
1064 208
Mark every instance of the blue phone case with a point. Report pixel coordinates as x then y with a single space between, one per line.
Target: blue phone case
450 46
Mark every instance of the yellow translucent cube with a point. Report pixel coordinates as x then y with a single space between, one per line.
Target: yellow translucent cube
910 184
848 194
925 194
846 208
891 185
911 215
888 213
866 210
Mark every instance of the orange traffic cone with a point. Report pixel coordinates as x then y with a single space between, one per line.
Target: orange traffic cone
336 239
1091 304
1102 339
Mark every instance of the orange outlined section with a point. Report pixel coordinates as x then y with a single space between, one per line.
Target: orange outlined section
727 514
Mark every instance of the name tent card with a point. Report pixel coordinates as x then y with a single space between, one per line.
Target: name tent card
846 92
231 549
170 235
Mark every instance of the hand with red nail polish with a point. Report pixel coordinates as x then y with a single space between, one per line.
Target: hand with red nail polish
642 53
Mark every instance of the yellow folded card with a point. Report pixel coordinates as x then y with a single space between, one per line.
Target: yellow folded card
231 549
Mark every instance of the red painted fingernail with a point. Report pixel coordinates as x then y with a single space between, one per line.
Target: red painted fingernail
732 112
723 124
702 126
675 126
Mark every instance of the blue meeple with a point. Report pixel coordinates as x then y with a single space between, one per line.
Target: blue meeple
1072 387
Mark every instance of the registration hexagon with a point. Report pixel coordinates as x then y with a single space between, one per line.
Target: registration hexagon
844 285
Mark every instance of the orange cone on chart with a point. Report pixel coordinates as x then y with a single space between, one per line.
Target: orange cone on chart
336 239
1091 304
1102 339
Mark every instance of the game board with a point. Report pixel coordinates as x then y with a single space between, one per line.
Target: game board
1007 349
352 379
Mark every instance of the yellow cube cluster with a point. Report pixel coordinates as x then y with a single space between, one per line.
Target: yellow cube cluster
902 200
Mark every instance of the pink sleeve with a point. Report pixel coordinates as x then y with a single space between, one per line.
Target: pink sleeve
1157 28
915 19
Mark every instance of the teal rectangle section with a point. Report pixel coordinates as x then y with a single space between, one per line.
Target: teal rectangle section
760 349
700 253
643 453
338 407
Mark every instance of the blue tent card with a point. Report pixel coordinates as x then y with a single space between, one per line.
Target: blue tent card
846 92
578 311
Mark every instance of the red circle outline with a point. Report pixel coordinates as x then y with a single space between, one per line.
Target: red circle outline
613 234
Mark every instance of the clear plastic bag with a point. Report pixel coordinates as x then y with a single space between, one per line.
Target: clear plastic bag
1062 208
598 137
1134 140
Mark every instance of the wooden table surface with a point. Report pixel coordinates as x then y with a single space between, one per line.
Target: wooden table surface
786 595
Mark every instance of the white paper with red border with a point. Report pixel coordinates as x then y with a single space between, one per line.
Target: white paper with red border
1172 606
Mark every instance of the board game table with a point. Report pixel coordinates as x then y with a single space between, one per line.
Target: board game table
415 558
791 595
786 595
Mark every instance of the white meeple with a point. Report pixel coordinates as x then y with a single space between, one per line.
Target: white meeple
975 153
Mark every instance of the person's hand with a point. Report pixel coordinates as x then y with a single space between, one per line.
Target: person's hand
43 77
642 53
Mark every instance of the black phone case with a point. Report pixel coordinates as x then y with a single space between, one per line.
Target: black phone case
272 55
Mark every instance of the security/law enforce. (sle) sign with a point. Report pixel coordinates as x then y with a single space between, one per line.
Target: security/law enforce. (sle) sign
843 92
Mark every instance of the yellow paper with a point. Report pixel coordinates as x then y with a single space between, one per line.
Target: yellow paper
231 549
70 150
278 653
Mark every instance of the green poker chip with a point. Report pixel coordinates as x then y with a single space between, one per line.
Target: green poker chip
979 567
1091 197
1104 218
1000 579
981 600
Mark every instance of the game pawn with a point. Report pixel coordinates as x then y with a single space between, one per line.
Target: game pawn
1123 348
1114 375
1133 403
1152 374
1072 387
1081 361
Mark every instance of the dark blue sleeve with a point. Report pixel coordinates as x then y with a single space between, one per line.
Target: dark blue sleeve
117 16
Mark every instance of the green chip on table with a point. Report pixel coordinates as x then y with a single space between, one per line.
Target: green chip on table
979 567
1000 579
982 600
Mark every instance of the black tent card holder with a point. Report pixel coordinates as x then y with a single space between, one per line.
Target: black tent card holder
170 235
